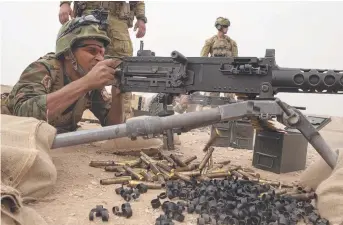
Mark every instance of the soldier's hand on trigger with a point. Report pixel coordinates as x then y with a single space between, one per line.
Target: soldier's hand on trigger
65 12
102 74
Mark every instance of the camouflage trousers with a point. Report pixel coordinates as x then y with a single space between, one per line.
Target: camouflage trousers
122 48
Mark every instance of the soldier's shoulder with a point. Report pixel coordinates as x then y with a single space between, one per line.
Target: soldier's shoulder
49 60
47 65
230 39
211 39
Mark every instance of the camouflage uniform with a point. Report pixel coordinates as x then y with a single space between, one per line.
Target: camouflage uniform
120 19
28 97
220 47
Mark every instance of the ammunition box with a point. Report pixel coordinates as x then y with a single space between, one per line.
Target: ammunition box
280 153
236 134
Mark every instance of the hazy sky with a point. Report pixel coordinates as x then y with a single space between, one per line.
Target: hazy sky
304 34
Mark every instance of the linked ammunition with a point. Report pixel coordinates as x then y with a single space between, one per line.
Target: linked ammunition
206 158
119 180
150 185
133 173
178 161
189 159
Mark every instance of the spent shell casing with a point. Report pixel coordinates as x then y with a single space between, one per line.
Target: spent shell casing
218 175
304 196
135 163
206 158
182 177
191 173
100 163
150 185
246 175
164 166
147 176
118 180
189 159
154 168
281 191
133 173
154 177
215 168
273 183
170 160
148 158
114 169
186 168
204 178
144 160
178 161
119 174
160 178
210 141
224 162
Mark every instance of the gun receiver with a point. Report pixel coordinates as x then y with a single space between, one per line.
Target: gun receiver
246 75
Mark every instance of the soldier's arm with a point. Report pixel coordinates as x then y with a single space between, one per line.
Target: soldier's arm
108 110
206 49
139 11
234 49
32 97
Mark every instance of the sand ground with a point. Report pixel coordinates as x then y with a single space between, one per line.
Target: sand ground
78 190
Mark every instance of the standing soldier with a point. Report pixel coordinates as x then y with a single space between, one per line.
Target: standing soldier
120 18
220 45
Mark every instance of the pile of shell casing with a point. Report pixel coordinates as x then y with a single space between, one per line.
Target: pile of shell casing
155 171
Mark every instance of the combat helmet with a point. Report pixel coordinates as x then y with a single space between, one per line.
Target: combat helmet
77 29
221 21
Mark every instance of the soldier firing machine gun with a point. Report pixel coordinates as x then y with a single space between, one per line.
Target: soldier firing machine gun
258 78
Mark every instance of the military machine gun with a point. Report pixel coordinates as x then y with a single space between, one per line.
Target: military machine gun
257 78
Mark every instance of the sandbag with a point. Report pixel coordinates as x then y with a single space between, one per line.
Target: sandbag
126 146
330 194
13 212
25 161
315 174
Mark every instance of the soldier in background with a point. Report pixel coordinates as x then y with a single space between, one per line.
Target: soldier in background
220 45
120 18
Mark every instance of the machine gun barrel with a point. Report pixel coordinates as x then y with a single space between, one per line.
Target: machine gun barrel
150 125
245 75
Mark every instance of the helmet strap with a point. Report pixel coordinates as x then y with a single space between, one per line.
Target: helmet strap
76 66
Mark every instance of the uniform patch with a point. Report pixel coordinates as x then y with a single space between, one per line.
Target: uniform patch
47 82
